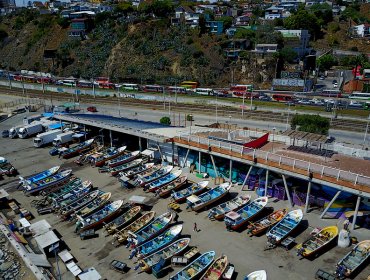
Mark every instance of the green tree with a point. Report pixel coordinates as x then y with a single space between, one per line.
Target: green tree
242 33
190 118
304 20
311 123
288 54
165 120
228 21
3 34
124 7
326 62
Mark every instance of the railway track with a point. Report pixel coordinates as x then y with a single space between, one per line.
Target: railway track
206 109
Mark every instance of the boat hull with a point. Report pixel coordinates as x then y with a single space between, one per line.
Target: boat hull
203 205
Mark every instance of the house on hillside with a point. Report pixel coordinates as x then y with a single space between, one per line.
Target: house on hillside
80 27
298 40
215 27
242 20
360 31
235 46
185 15
263 50
274 12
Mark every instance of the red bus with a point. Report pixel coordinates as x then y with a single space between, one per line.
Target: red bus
106 85
283 97
44 80
240 90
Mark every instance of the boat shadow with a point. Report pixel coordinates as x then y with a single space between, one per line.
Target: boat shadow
303 226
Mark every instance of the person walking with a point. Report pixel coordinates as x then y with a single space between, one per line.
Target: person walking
195 227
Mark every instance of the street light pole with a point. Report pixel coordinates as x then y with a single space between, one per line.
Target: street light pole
243 105
273 138
367 128
191 122
287 118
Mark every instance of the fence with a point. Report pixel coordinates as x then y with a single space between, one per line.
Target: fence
281 161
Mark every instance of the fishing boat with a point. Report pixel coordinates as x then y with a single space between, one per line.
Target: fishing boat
66 201
236 219
197 203
6 167
139 170
50 182
234 204
80 148
101 216
285 226
195 268
39 176
122 220
157 243
193 189
174 249
93 206
165 180
354 259
167 189
217 268
143 180
135 226
76 204
157 226
85 157
123 159
72 183
317 241
72 192
265 223
257 275
131 164
99 160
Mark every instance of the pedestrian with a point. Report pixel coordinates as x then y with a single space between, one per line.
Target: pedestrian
346 225
195 227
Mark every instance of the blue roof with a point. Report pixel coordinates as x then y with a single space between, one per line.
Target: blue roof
55 126
48 115
124 122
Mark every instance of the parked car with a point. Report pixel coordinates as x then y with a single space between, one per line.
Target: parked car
304 102
322 77
264 98
5 133
92 109
355 104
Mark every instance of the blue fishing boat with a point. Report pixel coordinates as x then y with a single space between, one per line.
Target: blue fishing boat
138 170
73 183
126 166
143 180
100 158
76 204
157 226
195 268
165 180
101 216
76 192
234 204
193 189
80 148
282 229
196 203
39 176
49 183
93 206
123 159
160 241
235 220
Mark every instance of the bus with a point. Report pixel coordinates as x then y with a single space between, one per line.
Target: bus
153 88
84 84
189 84
239 90
68 82
177 90
204 91
283 97
45 80
106 85
241 94
331 93
130 86
360 95
27 79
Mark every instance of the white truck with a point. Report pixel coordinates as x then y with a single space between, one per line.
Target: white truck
63 138
30 119
45 138
30 130
13 132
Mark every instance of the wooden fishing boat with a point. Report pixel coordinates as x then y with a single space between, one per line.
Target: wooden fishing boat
317 241
66 201
234 204
80 148
265 223
157 243
285 226
236 219
197 203
50 182
135 226
78 203
126 166
85 157
110 154
174 249
217 268
195 268
68 186
74 192
193 189
165 180
123 159
38 176
257 275
139 170
143 180
167 189
156 227
354 259
122 220
93 206
101 216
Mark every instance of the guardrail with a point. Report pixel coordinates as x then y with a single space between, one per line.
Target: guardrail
295 164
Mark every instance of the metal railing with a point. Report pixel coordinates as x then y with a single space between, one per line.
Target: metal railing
293 163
